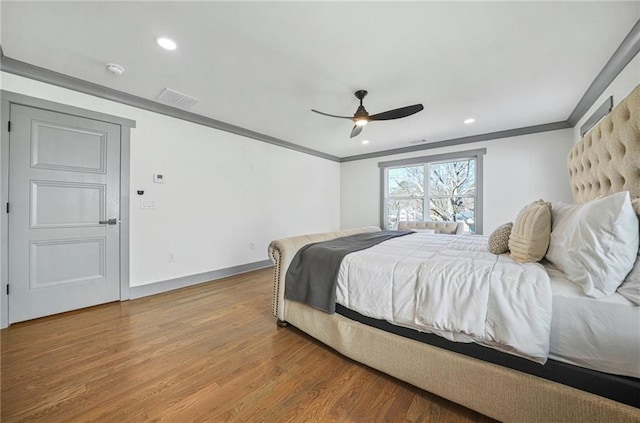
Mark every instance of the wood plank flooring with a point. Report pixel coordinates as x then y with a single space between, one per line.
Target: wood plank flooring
208 353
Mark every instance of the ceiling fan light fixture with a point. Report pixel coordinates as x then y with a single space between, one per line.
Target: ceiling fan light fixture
361 117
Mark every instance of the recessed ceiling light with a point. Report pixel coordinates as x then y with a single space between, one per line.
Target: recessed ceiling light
115 68
166 43
469 121
365 142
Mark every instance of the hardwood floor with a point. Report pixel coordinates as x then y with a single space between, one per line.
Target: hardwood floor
208 353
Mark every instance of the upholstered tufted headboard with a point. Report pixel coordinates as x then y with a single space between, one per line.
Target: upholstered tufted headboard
607 159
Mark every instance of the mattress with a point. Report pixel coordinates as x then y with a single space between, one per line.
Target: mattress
454 287
596 333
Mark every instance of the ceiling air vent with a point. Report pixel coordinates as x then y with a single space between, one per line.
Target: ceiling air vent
177 99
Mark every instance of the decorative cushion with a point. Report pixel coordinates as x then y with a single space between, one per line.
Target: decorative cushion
595 244
529 237
499 239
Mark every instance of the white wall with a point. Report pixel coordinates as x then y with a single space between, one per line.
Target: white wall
222 191
620 88
517 171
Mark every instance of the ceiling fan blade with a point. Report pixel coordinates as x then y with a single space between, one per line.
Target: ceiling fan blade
335 116
356 131
397 113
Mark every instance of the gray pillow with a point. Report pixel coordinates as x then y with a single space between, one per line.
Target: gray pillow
499 239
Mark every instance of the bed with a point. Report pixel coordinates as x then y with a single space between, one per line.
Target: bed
574 383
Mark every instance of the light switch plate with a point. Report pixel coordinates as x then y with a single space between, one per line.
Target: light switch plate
148 204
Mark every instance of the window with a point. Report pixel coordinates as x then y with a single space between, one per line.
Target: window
406 194
445 187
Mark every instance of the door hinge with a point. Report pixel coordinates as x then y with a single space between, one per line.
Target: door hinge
7 207
7 289
9 126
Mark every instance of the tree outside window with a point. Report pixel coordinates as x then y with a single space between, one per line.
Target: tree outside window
406 194
446 189
452 191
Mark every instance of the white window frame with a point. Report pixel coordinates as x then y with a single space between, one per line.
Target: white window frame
476 155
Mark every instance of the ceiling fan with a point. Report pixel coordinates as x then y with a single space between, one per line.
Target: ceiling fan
361 117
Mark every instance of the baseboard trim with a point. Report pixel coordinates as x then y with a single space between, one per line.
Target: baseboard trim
184 281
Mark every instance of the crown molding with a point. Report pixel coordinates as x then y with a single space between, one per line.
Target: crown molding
37 73
626 52
463 140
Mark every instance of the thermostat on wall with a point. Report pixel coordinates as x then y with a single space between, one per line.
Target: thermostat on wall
158 178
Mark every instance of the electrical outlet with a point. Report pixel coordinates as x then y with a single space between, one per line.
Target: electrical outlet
171 258
252 245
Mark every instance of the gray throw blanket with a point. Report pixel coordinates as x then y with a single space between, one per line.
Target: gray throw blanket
312 276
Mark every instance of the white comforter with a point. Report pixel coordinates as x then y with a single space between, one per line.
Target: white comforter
454 287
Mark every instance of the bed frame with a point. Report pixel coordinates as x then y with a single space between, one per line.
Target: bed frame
606 160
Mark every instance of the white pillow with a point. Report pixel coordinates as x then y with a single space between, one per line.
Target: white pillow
595 244
630 288
423 231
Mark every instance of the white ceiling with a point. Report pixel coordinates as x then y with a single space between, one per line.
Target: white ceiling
264 65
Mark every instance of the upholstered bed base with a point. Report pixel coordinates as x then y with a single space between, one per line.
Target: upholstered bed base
498 392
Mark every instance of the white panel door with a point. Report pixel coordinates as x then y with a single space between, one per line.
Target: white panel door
64 180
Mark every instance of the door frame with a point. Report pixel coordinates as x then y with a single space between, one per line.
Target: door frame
7 99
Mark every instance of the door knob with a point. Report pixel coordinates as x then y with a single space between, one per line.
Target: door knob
109 222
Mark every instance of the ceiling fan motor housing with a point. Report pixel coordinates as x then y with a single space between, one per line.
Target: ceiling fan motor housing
361 112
